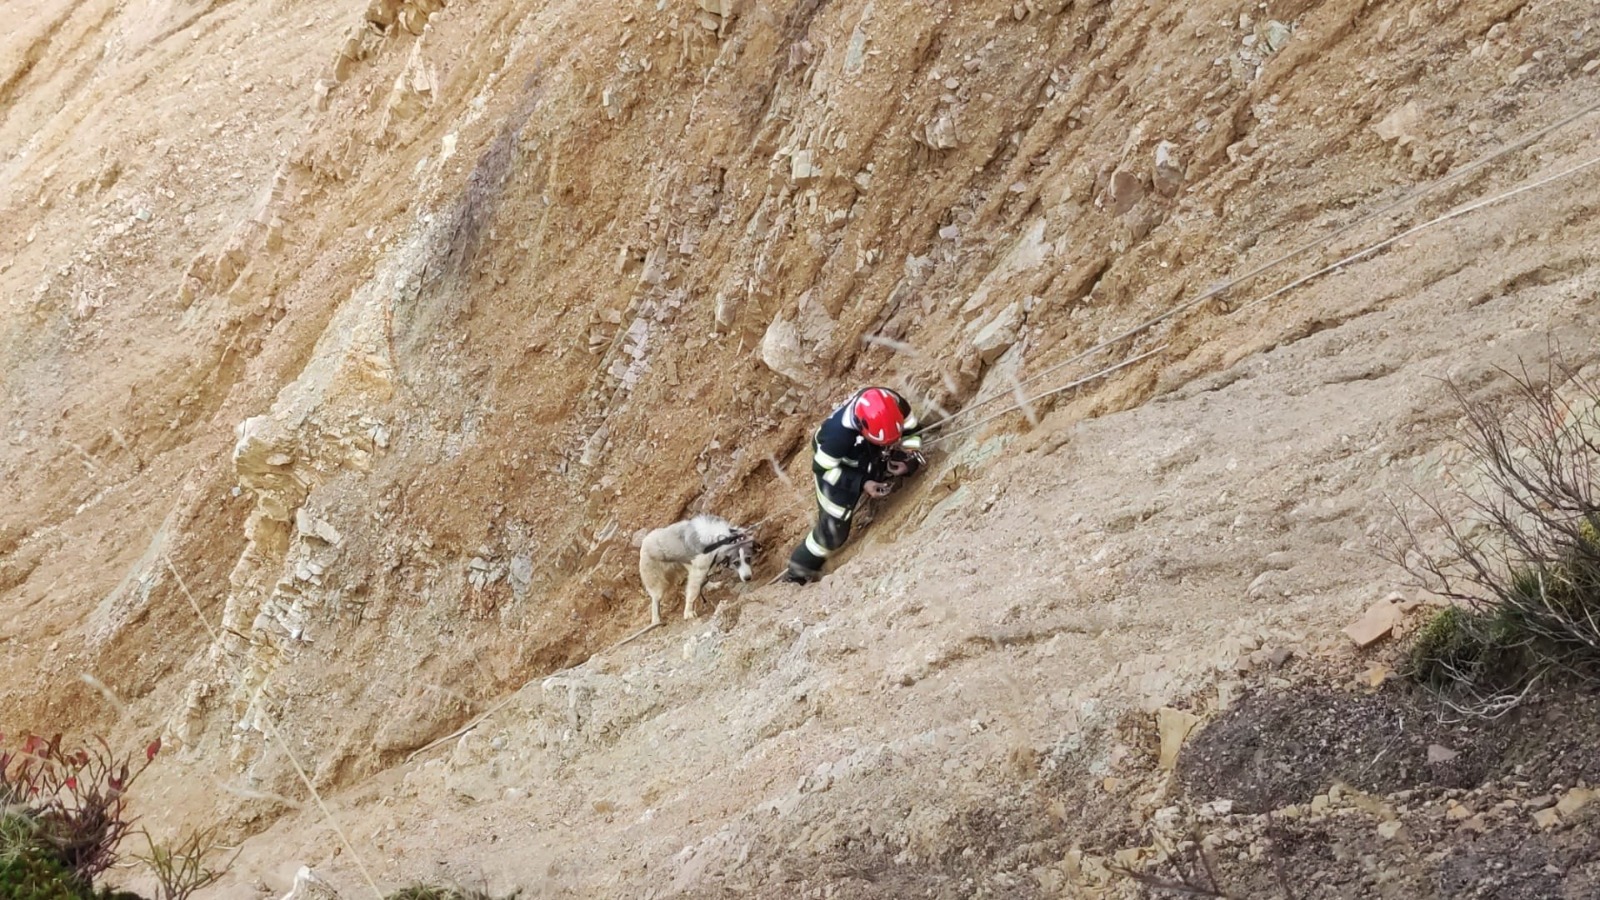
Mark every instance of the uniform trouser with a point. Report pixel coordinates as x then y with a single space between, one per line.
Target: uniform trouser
828 535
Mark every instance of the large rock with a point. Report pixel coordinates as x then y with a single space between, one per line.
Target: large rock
782 353
994 338
1124 190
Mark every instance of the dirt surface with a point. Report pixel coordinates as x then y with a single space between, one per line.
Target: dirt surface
1281 747
1462 825
347 349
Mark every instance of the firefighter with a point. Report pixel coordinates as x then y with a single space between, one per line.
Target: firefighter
865 442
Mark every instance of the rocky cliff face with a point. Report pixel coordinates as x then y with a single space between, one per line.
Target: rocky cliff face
349 348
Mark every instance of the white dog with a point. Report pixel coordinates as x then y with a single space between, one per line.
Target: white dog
695 544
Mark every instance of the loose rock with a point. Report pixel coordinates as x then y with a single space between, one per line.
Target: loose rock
1124 190
1575 799
1167 174
1174 725
781 351
1276 35
1399 126
1440 754
1376 625
999 334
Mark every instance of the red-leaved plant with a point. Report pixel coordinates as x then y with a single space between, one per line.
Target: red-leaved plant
77 799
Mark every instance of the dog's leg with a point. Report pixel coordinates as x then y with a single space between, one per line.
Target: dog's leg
697 577
655 584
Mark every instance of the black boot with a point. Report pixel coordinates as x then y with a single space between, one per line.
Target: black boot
793 575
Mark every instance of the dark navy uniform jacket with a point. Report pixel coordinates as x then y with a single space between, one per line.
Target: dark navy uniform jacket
843 460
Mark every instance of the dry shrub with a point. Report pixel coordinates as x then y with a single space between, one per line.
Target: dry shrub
1523 568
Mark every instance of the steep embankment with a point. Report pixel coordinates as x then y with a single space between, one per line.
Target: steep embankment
385 328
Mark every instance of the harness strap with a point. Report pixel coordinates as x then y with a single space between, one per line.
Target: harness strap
723 542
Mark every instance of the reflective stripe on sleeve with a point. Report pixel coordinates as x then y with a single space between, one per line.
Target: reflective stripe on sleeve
830 507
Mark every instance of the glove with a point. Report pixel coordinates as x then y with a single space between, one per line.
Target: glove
877 489
904 462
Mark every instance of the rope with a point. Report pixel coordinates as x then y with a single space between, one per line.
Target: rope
1454 214
1017 384
277 737
1023 404
1359 254
1217 290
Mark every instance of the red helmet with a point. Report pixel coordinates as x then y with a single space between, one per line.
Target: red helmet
878 416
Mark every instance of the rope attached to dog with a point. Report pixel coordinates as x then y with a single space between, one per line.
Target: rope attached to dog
734 539
635 636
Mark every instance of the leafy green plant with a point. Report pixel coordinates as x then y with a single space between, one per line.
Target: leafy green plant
19 832
1463 646
30 873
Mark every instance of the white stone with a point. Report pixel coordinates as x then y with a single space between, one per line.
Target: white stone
1399 124
313 527
997 335
521 574
1276 35
801 167
1168 171
308 885
781 351
941 134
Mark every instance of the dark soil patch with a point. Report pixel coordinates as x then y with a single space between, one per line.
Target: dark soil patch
1512 864
1271 750
1345 859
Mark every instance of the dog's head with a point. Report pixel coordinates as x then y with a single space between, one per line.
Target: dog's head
740 554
